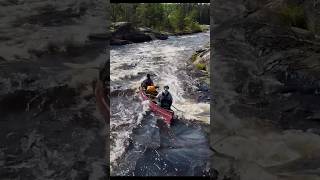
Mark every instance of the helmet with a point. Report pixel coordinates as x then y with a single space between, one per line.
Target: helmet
166 87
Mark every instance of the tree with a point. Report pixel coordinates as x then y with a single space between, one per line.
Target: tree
176 18
172 17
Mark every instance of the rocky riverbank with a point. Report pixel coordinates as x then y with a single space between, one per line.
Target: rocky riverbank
198 67
204 28
125 33
266 88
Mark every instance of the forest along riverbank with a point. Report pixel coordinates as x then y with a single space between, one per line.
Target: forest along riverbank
140 145
126 33
157 20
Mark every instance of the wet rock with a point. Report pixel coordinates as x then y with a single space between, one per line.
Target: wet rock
186 33
160 36
119 42
201 58
125 33
137 37
145 29
203 87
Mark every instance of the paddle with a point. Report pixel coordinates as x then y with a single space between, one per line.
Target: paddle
135 64
177 109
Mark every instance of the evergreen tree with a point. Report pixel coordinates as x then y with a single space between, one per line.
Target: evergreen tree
172 17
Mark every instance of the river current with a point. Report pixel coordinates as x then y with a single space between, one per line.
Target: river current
141 144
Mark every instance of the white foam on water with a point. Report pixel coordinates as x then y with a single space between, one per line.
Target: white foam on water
118 149
164 60
196 111
121 137
145 105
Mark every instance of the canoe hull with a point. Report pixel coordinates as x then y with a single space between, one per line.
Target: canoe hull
167 115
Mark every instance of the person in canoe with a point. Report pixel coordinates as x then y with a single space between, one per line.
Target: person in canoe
165 98
149 87
147 82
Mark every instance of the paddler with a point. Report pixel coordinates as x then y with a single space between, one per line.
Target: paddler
147 82
165 98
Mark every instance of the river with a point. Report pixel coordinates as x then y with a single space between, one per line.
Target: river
140 143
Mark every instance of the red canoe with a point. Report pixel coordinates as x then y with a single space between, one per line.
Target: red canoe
167 115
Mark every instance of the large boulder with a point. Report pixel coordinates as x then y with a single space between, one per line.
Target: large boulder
125 33
123 26
202 58
160 36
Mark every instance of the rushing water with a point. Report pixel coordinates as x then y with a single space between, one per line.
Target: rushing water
140 143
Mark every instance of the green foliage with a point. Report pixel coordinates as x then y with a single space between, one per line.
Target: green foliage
150 15
188 23
171 17
201 66
184 21
176 19
195 27
293 15
194 57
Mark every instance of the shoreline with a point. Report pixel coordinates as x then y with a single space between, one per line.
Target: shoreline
181 128
123 33
124 42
